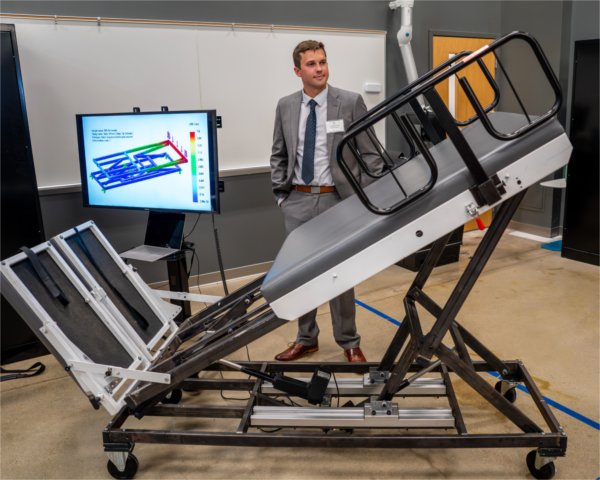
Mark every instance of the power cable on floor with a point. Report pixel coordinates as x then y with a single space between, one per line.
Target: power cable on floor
219 257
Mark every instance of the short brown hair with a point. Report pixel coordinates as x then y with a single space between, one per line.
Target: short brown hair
305 46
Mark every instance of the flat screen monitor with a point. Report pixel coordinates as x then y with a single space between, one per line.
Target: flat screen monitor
153 160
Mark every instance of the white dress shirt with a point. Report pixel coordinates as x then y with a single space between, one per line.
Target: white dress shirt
322 172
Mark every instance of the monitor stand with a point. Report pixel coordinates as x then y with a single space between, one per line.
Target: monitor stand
163 241
167 228
178 282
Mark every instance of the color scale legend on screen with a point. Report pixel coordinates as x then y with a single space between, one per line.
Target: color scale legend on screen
194 173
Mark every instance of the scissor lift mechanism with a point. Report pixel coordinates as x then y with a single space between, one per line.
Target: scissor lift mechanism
121 345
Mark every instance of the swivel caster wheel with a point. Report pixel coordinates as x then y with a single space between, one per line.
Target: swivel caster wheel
173 397
540 467
510 392
131 468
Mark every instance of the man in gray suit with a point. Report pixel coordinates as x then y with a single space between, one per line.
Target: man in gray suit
307 179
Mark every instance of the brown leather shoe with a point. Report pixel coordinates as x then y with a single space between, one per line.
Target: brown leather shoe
354 355
296 351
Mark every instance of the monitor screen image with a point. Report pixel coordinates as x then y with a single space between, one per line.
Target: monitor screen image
152 161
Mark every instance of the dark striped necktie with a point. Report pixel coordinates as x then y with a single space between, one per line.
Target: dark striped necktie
310 135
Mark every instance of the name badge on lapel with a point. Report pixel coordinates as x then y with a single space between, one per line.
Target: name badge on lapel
334 126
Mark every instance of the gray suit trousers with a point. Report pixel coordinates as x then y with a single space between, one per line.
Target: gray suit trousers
297 209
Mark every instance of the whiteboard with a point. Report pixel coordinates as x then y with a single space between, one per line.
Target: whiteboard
71 68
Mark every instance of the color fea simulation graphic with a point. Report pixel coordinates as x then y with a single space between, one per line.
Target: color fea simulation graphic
138 164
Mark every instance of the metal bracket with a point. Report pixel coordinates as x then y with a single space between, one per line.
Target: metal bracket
472 210
380 408
192 297
489 192
98 293
375 376
112 371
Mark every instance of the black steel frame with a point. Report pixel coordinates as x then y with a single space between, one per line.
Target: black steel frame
486 189
406 354
242 317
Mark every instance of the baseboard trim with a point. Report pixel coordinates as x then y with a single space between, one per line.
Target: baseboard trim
548 232
215 277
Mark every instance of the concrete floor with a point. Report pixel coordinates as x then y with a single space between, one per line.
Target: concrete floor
529 304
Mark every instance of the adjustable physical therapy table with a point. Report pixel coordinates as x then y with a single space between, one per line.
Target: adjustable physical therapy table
120 343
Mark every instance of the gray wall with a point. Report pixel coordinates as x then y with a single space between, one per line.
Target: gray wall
546 21
584 25
557 29
250 227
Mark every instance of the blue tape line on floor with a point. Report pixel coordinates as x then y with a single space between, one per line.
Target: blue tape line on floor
549 401
377 312
559 406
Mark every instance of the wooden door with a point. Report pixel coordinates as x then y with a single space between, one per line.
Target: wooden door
443 47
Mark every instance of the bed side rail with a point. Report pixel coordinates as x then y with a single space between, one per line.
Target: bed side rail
416 118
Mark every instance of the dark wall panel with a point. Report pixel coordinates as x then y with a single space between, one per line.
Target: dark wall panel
582 213
21 221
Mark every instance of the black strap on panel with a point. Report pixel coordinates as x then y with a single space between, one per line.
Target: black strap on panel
483 184
35 369
138 317
431 130
45 277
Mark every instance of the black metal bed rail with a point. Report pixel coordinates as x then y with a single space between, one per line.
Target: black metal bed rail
433 74
495 88
446 70
401 94
407 132
486 189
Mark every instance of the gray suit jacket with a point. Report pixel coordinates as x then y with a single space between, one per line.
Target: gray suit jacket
341 104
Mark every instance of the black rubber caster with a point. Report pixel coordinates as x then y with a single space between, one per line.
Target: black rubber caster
173 397
131 468
547 471
510 394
